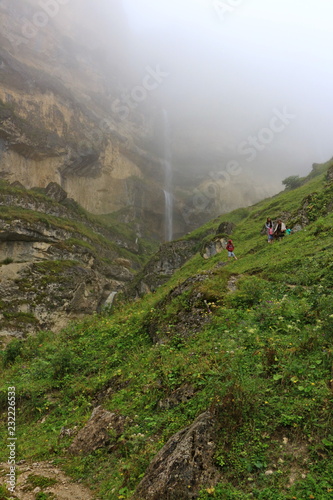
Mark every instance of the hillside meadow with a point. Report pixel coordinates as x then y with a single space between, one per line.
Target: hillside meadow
250 340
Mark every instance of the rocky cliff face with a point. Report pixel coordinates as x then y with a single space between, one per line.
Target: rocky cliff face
56 263
72 111
61 119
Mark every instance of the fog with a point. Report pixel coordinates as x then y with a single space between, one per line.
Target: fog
233 66
246 84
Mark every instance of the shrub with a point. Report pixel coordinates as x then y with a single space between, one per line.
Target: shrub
7 260
292 182
12 351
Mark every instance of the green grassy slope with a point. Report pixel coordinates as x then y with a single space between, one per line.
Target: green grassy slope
261 356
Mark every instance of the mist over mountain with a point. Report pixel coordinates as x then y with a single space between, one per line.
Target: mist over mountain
231 64
242 86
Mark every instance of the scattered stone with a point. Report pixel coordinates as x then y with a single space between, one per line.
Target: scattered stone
64 487
221 264
181 395
232 283
67 432
17 184
297 228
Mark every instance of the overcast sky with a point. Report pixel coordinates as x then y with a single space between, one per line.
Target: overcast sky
243 75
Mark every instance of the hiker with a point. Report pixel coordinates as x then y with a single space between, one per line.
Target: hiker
269 229
230 247
288 230
279 230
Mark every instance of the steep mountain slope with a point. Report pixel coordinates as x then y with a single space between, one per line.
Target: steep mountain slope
217 385
57 262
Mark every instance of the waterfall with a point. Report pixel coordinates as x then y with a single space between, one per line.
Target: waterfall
110 299
168 196
168 215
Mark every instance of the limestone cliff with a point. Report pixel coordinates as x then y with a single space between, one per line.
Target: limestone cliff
73 111
60 115
57 263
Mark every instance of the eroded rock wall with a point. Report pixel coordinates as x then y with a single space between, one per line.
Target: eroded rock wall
58 116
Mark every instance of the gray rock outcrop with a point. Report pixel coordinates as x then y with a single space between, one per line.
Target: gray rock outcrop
226 228
102 428
162 265
217 245
183 465
56 264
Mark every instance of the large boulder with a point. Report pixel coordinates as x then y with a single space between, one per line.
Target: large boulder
101 428
183 465
217 245
226 228
55 192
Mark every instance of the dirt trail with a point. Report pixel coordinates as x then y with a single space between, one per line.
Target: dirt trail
64 489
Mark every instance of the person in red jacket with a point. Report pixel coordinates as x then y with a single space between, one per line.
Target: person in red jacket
230 247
